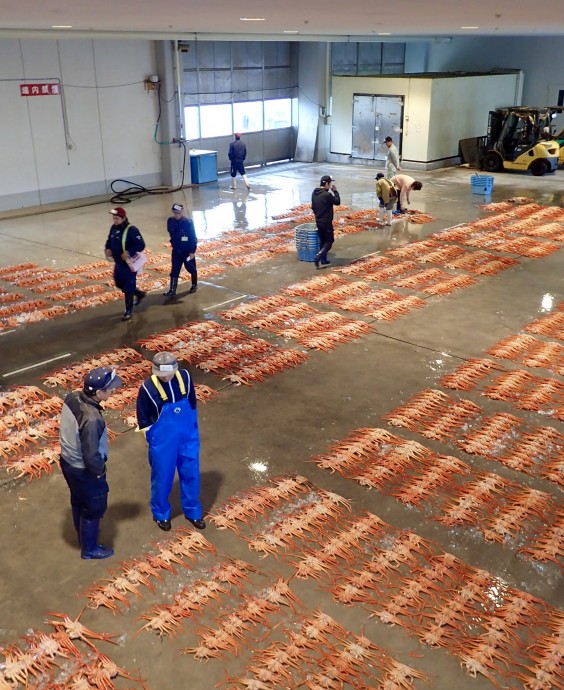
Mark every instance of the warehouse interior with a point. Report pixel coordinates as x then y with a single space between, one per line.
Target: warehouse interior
381 472
254 434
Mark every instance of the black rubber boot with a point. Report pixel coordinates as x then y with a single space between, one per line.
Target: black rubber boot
128 307
193 289
139 295
198 523
89 530
171 292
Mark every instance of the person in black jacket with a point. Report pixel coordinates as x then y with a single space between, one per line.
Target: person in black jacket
124 241
237 154
323 199
84 450
183 241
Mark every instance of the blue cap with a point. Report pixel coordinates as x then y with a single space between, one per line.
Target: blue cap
101 379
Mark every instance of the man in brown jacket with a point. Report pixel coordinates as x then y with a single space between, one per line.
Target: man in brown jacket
386 193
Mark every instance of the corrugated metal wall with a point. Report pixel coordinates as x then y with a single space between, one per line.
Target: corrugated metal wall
235 72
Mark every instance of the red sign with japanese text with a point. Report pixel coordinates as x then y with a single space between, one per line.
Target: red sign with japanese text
40 89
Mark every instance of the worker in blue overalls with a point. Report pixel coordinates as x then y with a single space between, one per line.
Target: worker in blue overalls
167 415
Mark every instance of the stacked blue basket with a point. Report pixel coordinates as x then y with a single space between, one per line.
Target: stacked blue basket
481 184
307 241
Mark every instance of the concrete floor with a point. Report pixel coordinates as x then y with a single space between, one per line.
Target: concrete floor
251 435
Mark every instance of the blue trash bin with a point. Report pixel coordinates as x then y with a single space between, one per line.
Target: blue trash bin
203 166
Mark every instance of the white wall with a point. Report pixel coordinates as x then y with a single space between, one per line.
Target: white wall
438 111
110 120
460 107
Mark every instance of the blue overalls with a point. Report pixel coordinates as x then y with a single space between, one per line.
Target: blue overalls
174 442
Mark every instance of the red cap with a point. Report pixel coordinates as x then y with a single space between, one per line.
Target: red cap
119 211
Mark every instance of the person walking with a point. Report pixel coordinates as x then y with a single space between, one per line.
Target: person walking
392 158
183 241
405 184
124 242
323 199
84 451
167 415
237 154
386 193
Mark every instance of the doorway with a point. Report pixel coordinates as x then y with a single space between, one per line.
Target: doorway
374 119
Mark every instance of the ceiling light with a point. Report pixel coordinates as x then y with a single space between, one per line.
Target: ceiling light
62 26
469 27
252 19
384 33
287 31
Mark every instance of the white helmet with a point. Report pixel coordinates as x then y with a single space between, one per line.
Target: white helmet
164 364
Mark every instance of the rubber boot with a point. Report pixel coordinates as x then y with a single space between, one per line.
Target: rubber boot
89 530
389 216
233 183
246 181
128 306
171 292
139 295
381 214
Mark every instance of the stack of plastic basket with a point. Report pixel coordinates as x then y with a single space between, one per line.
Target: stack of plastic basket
481 184
307 241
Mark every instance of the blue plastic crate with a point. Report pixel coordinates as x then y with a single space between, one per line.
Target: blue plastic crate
307 241
481 184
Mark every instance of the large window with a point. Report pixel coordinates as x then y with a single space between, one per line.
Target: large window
278 113
215 120
247 117
192 122
253 116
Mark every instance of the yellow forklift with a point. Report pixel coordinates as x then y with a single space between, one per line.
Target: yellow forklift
520 138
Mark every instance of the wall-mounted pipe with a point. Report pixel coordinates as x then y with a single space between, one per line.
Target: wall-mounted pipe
179 97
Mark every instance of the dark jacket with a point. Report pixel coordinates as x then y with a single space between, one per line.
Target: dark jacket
237 151
134 243
83 434
322 202
182 234
150 403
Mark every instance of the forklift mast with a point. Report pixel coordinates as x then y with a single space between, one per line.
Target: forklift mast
495 125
